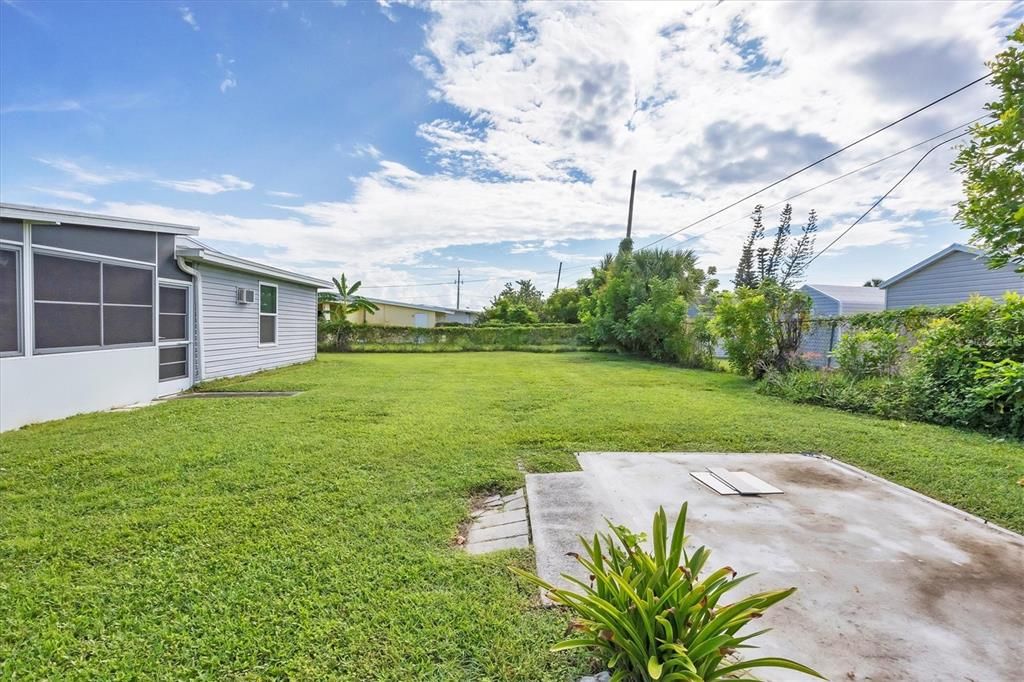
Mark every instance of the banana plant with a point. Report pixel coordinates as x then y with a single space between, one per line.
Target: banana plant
346 302
652 615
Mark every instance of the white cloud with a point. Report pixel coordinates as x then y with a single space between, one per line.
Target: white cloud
215 185
364 150
70 195
228 79
283 195
90 176
43 107
188 17
385 7
559 102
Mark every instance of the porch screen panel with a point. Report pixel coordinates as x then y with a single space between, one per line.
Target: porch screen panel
127 305
10 305
67 302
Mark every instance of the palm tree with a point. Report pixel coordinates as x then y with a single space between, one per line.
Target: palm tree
345 302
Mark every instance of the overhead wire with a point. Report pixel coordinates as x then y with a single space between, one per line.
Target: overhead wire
838 177
819 161
882 198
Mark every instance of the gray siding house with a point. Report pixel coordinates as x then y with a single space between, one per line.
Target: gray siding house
99 312
947 277
834 300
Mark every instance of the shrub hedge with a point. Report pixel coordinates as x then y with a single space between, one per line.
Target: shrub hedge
531 337
961 365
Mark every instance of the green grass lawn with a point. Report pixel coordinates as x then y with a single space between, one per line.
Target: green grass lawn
309 537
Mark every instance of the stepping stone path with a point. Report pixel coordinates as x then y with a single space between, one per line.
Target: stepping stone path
499 524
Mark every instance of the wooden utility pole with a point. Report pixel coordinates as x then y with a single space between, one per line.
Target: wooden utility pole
458 288
559 280
629 220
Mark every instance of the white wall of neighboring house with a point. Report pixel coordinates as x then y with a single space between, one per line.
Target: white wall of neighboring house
231 341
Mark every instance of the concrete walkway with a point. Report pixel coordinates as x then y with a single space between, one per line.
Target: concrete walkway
501 524
891 585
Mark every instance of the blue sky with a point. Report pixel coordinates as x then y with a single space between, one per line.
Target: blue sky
401 141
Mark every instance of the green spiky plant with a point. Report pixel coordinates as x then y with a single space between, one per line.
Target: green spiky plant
651 614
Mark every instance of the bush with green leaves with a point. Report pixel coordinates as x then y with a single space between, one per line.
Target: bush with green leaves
762 328
639 302
651 614
951 351
964 367
1000 390
870 353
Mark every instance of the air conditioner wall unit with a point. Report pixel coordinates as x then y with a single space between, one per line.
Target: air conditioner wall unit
244 296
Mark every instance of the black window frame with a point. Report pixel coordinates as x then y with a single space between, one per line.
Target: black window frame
101 305
19 301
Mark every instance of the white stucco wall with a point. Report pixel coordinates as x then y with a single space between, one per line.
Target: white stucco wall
43 387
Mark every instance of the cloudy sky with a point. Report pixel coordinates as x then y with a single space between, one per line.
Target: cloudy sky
400 142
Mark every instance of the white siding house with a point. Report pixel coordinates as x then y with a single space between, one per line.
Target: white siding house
950 276
231 332
99 312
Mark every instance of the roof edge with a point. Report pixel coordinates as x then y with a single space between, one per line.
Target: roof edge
956 246
58 216
242 265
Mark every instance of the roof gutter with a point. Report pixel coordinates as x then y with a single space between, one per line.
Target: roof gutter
198 307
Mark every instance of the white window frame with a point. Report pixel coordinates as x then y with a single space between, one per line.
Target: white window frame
19 293
185 343
91 258
261 314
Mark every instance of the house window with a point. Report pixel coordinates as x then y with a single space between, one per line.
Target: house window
10 302
81 303
173 314
268 314
173 362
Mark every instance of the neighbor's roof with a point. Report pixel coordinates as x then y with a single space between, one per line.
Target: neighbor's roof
57 216
931 259
435 308
195 251
850 294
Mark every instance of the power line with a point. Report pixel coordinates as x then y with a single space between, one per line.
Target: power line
882 198
838 177
819 161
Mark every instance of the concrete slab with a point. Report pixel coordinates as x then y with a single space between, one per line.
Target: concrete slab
499 518
515 542
506 530
891 585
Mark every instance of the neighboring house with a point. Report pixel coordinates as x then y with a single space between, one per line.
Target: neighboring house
834 300
950 276
398 314
98 312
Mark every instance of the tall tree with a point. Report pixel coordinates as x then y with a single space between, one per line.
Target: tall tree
785 261
993 165
799 254
745 269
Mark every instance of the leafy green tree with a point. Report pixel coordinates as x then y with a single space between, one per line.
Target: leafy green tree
873 282
638 301
522 301
993 165
785 260
762 328
562 306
